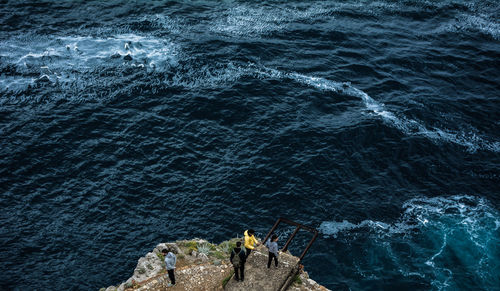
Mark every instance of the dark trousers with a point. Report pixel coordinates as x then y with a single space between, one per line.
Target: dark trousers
248 252
271 257
241 270
171 276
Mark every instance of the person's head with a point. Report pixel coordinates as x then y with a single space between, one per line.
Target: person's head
164 251
251 231
238 244
274 238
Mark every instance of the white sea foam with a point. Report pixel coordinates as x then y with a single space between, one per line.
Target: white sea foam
472 142
250 20
70 64
483 23
408 126
435 231
86 52
419 212
478 22
334 228
142 48
167 23
480 16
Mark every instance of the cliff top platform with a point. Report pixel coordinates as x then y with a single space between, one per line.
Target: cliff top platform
205 266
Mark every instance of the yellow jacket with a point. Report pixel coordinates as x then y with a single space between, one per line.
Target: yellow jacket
250 241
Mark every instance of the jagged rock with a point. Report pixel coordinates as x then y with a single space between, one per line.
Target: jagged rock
259 277
202 257
193 275
172 246
147 267
127 57
306 284
121 287
116 55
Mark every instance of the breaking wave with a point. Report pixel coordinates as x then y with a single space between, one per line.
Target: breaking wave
78 68
443 237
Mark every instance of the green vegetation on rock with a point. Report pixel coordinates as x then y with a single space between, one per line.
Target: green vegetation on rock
220 255
226 280
161 256
190 245
129 285
297 280
204 248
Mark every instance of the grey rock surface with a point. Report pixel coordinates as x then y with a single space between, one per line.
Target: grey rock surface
259 277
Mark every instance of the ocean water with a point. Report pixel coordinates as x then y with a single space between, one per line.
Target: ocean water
124 124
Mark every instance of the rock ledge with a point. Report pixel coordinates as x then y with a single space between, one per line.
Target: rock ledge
202 265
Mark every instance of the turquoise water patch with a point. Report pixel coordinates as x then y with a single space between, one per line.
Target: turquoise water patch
450 242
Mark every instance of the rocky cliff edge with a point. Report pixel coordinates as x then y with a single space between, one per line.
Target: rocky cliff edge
202 265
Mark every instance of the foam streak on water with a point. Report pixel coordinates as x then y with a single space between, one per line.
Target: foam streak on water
407 126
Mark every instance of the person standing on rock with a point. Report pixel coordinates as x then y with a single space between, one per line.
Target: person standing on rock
170 260
272 245
250 241
238 259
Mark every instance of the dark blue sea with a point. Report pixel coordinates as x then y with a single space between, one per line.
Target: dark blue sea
124 124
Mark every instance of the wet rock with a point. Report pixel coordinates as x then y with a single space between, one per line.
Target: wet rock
127 57
116 55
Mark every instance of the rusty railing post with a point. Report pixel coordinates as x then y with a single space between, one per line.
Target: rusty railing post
290 238
309 245
298 226
272 230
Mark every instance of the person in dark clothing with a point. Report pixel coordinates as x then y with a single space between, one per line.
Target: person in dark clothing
170 260
238 259
272 245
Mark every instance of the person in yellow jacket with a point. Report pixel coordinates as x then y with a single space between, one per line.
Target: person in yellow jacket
250 241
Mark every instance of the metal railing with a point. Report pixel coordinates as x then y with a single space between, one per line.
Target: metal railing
298 227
